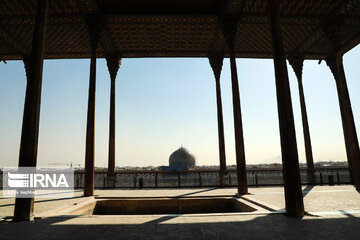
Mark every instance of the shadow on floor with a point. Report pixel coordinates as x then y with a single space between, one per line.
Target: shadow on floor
201 191
46 200
273 226
307 189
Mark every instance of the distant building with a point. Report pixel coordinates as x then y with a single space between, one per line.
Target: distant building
180 160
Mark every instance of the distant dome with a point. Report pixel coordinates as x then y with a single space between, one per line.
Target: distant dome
181 158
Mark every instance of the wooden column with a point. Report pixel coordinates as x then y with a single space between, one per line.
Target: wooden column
229 26
239 135
113 64
292 184
297 65
94 28
333 30
335 62
216 62
24 207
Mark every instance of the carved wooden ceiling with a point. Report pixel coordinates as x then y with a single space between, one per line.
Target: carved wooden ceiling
177 28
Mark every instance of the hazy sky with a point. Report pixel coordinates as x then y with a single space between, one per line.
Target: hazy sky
164 103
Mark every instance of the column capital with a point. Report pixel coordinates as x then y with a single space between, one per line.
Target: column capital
297 63
216 63
95 24
228 27
331 61
27 65
113 63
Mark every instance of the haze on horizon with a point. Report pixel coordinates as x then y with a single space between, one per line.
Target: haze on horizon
163 103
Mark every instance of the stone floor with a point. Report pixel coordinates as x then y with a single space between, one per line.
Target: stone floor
333 213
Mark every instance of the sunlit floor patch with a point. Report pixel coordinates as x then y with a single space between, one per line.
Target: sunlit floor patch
339 212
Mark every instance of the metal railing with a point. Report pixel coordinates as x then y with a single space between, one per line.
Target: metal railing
210 178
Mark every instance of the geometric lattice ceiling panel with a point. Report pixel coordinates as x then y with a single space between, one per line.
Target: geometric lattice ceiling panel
177 28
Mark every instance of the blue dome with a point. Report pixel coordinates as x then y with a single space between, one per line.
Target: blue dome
181 158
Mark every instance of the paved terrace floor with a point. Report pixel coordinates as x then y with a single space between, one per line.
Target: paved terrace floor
333 212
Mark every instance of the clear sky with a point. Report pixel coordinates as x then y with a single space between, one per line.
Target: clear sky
164 103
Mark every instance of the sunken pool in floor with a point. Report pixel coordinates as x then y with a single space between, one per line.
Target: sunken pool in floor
167 206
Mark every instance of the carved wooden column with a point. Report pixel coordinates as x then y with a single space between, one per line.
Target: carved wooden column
292 184
24 207
229 30
297 65
216 62
94 27
113 64
335 62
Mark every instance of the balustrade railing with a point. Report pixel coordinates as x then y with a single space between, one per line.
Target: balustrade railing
209 178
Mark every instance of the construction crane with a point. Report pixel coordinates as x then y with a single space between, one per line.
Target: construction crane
71 164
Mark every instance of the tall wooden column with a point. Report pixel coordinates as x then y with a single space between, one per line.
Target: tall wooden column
335 62
239 135
229 26
292 184
24 207
113 64
216 62
94 28
333 30
297 65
